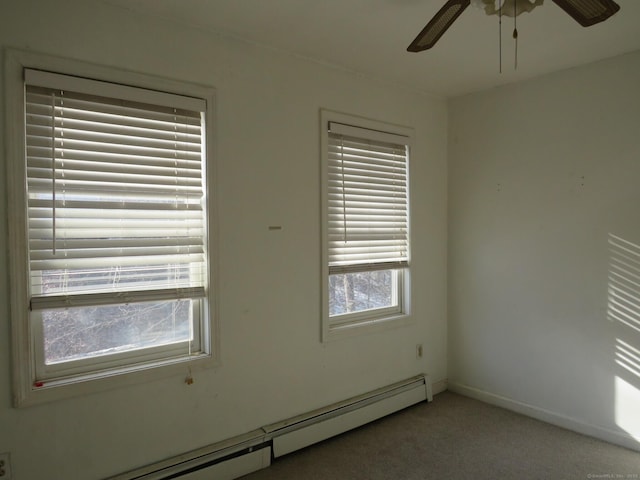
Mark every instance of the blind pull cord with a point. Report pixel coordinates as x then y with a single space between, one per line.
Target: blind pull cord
53 183
344 195
175 182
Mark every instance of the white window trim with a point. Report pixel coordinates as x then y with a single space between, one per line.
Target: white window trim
364 322
23 368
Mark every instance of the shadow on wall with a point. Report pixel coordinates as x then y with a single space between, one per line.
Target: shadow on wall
623 310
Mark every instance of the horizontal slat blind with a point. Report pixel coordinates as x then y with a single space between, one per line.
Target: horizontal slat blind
368 218
115 194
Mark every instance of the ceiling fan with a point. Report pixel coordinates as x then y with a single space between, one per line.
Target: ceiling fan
585 12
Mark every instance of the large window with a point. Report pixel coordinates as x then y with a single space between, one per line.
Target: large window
366 234
114 230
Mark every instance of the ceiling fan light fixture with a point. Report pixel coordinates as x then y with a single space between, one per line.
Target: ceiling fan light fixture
588 12
438 25
507 8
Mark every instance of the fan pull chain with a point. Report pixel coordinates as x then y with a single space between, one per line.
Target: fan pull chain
515 32
500 35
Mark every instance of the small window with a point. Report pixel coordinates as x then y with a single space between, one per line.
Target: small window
115 230
366 234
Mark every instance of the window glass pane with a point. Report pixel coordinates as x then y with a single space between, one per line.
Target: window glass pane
356 292
78 333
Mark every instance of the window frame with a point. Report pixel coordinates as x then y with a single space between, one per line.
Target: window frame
365 321
129 359
364 316
26 390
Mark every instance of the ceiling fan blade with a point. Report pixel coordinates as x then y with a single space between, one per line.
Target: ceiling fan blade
439 24
588 12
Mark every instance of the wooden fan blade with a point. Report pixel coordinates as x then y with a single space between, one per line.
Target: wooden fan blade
588 12
439 24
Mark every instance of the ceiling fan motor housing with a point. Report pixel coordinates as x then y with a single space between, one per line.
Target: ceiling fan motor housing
508 8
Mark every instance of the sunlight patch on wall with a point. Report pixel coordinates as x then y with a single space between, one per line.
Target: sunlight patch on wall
624 310
624 282
628 358
627 411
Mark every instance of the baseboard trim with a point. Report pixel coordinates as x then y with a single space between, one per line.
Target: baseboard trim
618 438
439 386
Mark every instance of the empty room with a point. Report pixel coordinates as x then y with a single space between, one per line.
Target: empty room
234 229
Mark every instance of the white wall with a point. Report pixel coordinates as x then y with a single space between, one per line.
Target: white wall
274 365
541 175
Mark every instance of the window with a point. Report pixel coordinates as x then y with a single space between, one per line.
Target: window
366 229
114 231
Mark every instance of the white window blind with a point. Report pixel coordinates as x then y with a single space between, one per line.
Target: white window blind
368 221
115 193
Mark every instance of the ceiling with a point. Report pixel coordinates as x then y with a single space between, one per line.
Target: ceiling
371 36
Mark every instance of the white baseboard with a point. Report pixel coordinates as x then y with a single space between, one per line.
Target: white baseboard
439 386
618 438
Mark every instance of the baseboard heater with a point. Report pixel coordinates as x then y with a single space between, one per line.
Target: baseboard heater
254 450
225 460
318 425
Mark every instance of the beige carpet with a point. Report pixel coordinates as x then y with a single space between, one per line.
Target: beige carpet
455 437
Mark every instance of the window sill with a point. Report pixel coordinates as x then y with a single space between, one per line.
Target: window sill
335 331
79 385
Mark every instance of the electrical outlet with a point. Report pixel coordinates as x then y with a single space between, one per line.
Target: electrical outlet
419 350
5 466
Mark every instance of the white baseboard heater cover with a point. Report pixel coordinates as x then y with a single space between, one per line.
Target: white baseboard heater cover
253 451
318 425
225 460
